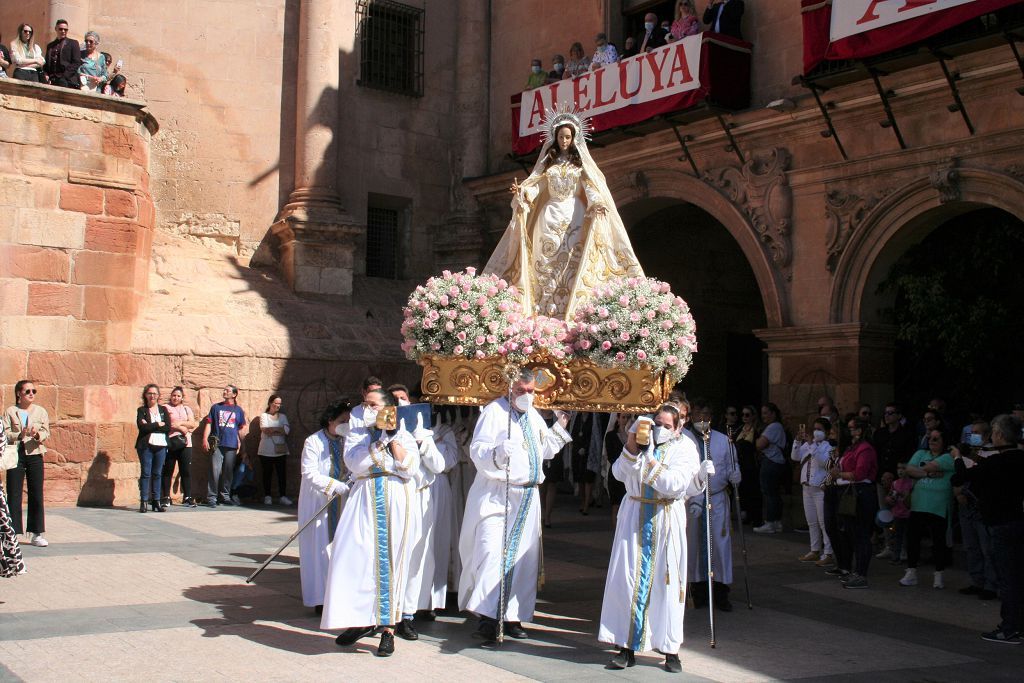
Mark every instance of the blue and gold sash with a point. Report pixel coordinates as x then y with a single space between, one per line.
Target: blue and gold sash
644 578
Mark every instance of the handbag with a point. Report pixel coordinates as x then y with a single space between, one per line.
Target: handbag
848 501
281 448
10 458
176 442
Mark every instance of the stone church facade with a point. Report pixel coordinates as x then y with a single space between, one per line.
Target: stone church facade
259 207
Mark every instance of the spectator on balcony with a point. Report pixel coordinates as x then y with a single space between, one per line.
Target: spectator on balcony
5 60
557 69
686 22
27 56
63 57
537 76
629 48
651 37
578 62
605 53
93 69
723 16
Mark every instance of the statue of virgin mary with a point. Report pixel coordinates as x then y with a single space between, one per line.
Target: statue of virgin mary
565 236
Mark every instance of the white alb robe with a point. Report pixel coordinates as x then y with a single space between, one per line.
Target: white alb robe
369 565
644 594
315 488
461 479
480 543
721 507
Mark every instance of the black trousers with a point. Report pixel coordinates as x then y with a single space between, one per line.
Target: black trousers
1008 556
29 467
851 536
182 456
918 525
269 465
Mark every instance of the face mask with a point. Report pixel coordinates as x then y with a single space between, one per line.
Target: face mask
523 402
819 435
661 434
343 430
974 440
649 25
701 426
536 69
559 67
370 415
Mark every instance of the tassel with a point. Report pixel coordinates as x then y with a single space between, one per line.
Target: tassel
667 581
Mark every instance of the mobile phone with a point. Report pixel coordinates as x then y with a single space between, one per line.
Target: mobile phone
119 64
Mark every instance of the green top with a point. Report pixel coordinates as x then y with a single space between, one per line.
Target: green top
932 494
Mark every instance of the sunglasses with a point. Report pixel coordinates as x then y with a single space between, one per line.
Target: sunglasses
28 391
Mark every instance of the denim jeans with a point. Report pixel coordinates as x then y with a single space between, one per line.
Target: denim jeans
152 460
772 474
222 470
978 547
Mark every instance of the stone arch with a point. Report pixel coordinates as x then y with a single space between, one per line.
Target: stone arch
904 218
655 188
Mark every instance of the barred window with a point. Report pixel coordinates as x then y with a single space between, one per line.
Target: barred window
382 239
390 46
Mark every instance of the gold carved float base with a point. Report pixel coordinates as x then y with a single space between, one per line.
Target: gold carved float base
576 384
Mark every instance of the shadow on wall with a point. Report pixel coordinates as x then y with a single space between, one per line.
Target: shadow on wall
98 489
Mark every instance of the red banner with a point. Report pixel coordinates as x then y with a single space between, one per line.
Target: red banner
898 22
706 67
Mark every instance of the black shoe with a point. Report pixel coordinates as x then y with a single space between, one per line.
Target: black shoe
189 503
351 635
166 502
143 507
226 501
970 590
625 658
387 644
427 615
987 595
513 629
487 630
157 507
837 572
672 664
723 605
319 609
211 503
406 631
1001 636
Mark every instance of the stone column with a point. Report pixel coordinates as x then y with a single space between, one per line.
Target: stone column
459 242
315 233
851 362
77 14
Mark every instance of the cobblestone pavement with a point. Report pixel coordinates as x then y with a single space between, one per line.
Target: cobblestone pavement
162 597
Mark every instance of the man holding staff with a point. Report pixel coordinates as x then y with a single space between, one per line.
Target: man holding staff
509 445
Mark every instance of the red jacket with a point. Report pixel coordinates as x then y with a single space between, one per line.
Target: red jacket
861 459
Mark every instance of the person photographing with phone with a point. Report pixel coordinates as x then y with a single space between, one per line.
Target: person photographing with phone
645 590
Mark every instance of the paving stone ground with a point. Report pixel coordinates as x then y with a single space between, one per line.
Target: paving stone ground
162 597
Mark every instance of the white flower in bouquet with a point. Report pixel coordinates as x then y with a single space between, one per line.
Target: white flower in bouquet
459 314
527 336
637 322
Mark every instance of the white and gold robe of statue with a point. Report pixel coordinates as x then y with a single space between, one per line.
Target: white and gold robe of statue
369 567
323 475
480 544
428 566
721 508
644 594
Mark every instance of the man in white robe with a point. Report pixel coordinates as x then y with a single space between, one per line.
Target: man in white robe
521 449
369 565
357 420
726 472
461 478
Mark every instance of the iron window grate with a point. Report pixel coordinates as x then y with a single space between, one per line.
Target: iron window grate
382 242
390 46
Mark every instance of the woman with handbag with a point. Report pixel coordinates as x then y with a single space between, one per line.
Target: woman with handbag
27 426
154 425
179 448
851 503
273 450
11 563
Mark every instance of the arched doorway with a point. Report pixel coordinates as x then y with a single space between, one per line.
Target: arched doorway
690 249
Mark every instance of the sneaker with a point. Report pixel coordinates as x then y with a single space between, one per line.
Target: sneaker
235 500
211 503
766 528
826 560
837 572
267 500
999 636
937 581
387 645
23 570
38 540
284 500
778 527
190 502
909 578
855 582
812 556
886 554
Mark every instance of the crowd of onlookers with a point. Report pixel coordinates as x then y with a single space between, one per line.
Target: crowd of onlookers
64 62
720 16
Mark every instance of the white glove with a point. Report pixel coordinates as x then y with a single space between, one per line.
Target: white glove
642 418
421 434
734 477
708 467
504 452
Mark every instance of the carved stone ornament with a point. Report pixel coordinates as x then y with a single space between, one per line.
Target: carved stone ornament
947 181
760 188
844 214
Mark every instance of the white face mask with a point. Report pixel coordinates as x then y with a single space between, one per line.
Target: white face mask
559 67
370 415
701 426
649 25
661 434
536 69
343 429
819 435
523 402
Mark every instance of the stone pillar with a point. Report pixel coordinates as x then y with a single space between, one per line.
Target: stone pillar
851 362
459 242
77 13
315 233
